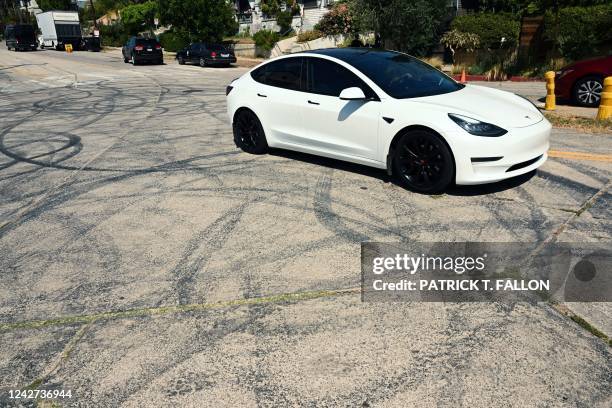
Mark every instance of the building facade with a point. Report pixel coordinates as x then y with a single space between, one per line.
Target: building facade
251 19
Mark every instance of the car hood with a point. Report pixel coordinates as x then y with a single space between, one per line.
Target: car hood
490 105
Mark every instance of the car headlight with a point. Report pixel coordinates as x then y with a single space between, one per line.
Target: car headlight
476 127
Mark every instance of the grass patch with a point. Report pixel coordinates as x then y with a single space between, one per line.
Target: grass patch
580 123
163 310
589 327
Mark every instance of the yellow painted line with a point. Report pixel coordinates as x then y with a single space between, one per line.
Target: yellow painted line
580 156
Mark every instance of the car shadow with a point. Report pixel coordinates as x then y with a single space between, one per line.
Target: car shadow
454 190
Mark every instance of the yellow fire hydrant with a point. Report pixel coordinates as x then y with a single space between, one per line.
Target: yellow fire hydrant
605 106
68 48
550 104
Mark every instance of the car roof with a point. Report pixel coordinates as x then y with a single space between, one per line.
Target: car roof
350 54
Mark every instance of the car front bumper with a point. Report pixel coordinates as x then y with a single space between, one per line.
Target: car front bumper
482 160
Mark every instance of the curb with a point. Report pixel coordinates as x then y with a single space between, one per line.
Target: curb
511 79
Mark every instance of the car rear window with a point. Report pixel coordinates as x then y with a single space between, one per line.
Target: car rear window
148 42
216 47
24 30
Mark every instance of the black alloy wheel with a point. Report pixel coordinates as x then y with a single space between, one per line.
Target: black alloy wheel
248 132
202 62
423 162
587 91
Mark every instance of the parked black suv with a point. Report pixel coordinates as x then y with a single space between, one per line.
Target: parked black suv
205 55
139 49
20 37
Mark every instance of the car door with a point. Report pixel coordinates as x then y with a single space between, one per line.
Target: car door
277 96
195 52
342 128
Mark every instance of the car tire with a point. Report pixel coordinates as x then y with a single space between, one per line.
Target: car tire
423 162
181 61
133 60
202 62
587 91
126 60
249 134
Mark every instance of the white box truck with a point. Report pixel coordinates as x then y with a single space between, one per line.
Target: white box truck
59 28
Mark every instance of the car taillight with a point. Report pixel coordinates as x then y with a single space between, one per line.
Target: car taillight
17 39
158 47
228 89
139 48
213 54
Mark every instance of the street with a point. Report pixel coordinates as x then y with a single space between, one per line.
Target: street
147 261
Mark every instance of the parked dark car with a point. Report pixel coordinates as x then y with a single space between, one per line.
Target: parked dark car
206 55
91 44
582 82
20 37
138 50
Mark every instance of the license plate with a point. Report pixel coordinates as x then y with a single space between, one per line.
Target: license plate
224 55
149 49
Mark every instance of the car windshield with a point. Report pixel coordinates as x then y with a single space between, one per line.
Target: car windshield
402 76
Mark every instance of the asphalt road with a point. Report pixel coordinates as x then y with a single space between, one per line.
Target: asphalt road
146 261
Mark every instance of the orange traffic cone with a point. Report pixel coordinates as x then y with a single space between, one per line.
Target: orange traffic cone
463 80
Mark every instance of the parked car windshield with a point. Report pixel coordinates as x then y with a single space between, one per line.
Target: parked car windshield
400 75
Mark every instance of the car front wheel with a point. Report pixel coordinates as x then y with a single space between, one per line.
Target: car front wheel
587 91
423 162
249 134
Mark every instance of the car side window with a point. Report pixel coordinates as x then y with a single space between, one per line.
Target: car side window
285 73
329 78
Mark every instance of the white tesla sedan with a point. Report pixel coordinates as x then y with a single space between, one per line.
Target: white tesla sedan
387 110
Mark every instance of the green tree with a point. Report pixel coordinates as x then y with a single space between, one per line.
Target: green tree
406 25
204 20
137 17
46 5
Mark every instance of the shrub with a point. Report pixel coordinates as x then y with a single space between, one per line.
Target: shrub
173 41
580 31
284 20
456 40
490 28
337 21
309 36
113 35
266 39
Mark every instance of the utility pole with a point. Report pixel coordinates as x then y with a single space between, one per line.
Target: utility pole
93 14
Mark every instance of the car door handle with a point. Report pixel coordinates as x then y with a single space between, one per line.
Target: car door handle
262 95
313 103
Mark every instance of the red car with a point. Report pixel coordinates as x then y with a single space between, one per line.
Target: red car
582 81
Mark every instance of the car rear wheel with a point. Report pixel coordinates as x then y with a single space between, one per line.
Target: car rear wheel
202 62
181 61
249 135
587 91
133 60
423 162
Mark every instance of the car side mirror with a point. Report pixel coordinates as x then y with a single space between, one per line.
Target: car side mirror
352 94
